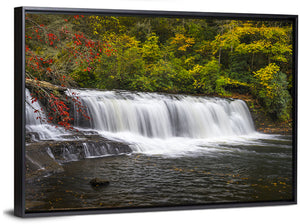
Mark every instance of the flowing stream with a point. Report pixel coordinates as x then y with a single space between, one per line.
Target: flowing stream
181 150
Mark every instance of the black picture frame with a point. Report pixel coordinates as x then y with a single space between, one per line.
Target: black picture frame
19 104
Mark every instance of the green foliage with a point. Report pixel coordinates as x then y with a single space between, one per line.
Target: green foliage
206 77
150 50
271 90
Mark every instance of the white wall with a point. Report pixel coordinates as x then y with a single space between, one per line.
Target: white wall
257 215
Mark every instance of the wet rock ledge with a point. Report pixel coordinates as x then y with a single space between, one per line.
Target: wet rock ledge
47 157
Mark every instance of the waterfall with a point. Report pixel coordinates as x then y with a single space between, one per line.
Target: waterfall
152 123
38 129
164 116
31 107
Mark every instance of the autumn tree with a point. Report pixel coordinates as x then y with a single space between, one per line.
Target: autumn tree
258 56
59 54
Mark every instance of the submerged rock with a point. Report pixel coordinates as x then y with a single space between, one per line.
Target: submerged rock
97 182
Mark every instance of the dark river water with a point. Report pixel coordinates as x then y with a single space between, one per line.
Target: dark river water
260 171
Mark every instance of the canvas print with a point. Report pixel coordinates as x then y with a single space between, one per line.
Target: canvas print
152 111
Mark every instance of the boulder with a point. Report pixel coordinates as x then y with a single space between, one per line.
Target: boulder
97 182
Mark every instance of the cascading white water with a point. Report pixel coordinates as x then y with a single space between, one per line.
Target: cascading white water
165 116
166 124
31 107
149 123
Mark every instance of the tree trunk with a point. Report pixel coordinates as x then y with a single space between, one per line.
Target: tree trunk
220 55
